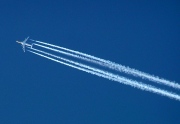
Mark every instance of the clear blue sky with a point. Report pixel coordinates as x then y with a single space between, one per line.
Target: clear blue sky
140 34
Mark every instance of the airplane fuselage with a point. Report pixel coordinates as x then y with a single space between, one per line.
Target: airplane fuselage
22 43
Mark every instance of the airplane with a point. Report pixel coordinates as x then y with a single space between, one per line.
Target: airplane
23 43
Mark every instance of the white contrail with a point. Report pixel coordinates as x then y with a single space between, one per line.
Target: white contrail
110 64
109 76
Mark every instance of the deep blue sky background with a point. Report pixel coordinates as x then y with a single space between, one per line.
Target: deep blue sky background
140 34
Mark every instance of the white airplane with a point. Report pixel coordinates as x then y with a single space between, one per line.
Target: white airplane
23 43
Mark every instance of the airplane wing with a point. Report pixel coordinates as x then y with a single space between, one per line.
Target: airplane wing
26 39
24 43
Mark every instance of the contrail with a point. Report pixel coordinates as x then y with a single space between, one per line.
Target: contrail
107 75
109 64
